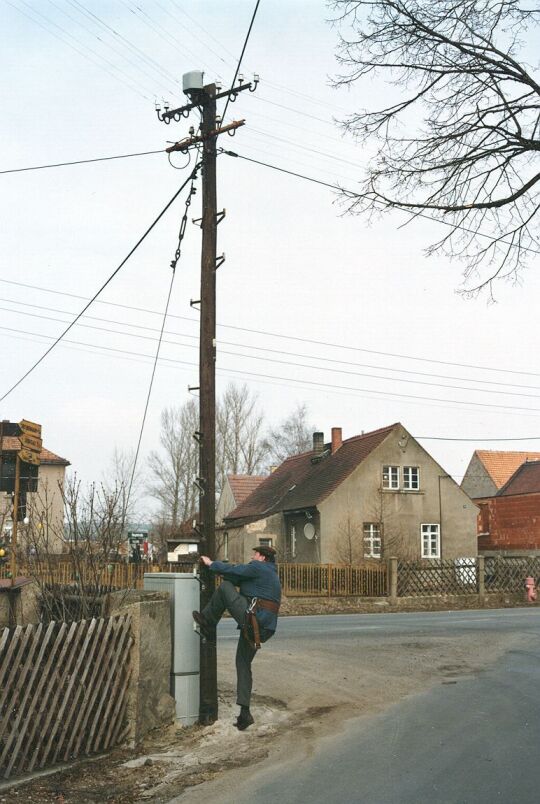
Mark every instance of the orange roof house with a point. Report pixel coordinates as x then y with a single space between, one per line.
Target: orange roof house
489 470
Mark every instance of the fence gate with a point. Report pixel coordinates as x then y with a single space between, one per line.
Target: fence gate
62 691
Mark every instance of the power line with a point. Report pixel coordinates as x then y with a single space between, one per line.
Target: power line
107 282
353 194
280 335
246 40
83 161
265 349
296 364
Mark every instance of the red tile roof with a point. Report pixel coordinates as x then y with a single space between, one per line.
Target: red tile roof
12 443
525 480
301 483
243 485
501 465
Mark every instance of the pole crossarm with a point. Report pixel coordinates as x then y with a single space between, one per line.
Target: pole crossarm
183 111
184 145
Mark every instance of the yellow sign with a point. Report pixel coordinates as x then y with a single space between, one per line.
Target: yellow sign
30 442
30 428
27 456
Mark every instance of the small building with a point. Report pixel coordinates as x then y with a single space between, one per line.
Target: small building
489 470
371 496
45 505
509 521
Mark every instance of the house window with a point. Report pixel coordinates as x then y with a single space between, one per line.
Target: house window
411 478
265 542
372 540
293 541
225 546
390 477
431 541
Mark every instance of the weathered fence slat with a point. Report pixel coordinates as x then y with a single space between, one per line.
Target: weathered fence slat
55 683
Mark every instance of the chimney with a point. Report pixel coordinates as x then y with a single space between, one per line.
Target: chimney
336 439
318 443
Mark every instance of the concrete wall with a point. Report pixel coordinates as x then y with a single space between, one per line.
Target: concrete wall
360 499
513 523
476 481
150 704
20 607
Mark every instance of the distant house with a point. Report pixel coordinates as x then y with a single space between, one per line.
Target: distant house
510 520
370 496
45 507
489 470
235 490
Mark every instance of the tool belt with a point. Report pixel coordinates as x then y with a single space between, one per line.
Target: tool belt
250 629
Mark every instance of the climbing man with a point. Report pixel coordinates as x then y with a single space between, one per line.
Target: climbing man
254 606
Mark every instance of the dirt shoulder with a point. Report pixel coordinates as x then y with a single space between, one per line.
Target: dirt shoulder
304 690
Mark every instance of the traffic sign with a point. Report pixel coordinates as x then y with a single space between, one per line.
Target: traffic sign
27 456
30 442
30 428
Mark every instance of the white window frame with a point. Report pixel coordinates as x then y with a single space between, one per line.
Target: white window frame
225 546
372 540
410 482
390 477
430 537
293 541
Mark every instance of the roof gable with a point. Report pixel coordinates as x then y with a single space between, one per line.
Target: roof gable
501 465
243 485
13 444
525 480
301 482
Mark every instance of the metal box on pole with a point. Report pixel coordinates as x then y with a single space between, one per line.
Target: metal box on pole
183 589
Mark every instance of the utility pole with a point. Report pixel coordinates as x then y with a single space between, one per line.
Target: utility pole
204 98
208 709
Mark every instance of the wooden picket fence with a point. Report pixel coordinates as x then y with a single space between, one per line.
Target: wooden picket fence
63 691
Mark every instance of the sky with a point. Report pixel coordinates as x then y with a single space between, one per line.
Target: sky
315 306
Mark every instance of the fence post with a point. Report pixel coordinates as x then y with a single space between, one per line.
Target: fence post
392 579
329 580
481 577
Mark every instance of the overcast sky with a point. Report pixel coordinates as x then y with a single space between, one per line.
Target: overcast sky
78 81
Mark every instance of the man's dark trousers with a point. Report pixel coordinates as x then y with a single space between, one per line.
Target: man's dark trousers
227 598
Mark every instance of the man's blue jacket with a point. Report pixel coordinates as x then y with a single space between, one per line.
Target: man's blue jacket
256 579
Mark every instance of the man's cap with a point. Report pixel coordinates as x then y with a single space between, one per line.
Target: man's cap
264 550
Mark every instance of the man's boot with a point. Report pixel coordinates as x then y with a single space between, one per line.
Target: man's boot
207 630
245 719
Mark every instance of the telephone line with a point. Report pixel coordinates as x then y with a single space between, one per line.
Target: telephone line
83 161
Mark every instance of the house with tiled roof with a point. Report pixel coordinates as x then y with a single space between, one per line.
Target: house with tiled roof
370 496
236 489
509 521
489 470
44 505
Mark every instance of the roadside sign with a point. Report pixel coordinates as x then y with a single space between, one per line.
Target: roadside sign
27 456
30 442
30 428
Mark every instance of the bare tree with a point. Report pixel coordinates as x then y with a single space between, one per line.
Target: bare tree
120 480
350 540
460 137
174 469
239 446
292 436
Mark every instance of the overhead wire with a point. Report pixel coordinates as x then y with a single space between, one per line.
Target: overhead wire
174 265
281 335
101 289
246 40
82 161
267 358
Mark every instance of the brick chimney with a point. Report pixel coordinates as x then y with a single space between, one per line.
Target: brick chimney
337 440
318 443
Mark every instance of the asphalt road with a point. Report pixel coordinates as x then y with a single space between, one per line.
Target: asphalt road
473 738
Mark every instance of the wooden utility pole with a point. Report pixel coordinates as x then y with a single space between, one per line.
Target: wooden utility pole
204 98
208 710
